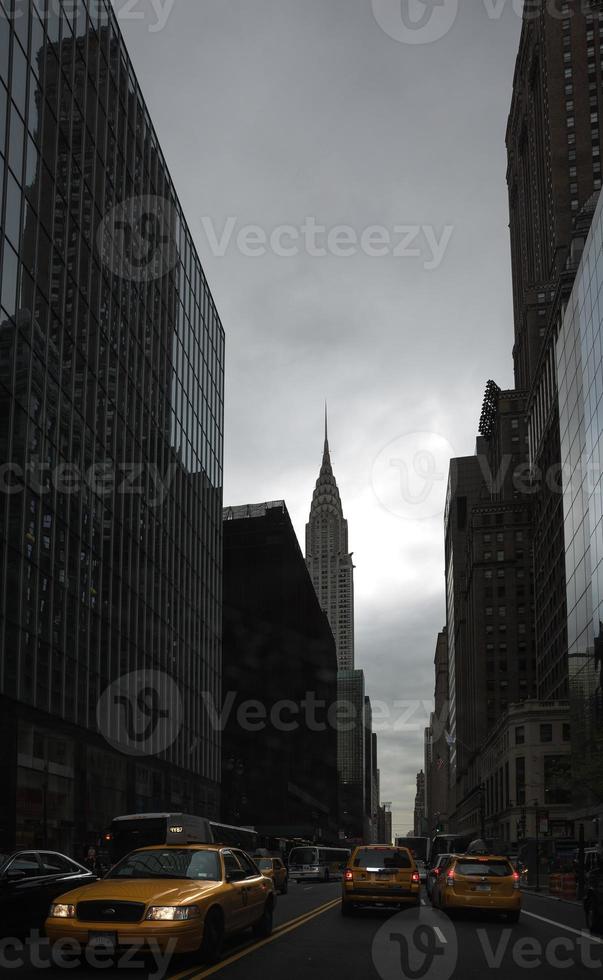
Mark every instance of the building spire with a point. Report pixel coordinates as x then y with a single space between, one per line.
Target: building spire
328 559
326 455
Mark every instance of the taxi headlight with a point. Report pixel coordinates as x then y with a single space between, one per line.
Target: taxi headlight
172 913
62 912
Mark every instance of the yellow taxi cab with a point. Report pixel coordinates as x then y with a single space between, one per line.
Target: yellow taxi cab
380 875
182 899
274 868
479 882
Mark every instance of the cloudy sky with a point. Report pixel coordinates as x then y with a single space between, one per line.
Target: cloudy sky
294 116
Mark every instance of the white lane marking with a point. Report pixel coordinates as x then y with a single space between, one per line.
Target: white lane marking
560 925
440 935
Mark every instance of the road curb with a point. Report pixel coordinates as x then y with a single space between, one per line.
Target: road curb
553 898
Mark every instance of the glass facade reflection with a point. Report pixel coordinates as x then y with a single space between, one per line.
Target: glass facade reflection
111 419
580 370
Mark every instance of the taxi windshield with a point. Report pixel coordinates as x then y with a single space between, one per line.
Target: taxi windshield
173 863
488 869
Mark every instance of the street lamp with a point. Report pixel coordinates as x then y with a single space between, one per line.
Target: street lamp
236 798
536 804
482 810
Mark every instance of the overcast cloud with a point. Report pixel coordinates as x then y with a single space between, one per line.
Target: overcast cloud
271 112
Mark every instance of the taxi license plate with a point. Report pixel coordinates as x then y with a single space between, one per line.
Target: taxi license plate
103 940
483 888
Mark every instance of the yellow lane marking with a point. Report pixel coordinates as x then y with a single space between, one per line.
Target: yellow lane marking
276 934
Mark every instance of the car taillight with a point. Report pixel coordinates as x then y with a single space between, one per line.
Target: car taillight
516 880
450 880
437 872
348 875
416 878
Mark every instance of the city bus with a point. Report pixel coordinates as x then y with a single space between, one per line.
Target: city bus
317 863
449 844
129 832
419 847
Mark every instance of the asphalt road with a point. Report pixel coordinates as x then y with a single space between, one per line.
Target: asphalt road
312 940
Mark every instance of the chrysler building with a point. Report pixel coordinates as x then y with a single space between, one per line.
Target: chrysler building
329 562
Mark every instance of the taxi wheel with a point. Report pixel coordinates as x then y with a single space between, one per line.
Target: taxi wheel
263 928
347 908
213 937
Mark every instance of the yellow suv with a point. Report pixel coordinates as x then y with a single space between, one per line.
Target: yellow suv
380 875
183 899
478 882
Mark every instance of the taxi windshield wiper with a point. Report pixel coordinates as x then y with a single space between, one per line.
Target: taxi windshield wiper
149 877
166 874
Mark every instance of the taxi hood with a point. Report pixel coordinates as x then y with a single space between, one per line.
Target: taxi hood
151 891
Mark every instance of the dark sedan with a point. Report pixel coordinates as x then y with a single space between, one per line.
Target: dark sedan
29 881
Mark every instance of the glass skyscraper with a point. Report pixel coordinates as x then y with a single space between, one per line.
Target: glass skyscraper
351 753
111 419
580 372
